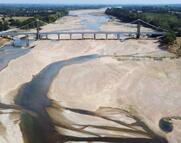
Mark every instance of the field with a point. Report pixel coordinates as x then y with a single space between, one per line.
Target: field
21 18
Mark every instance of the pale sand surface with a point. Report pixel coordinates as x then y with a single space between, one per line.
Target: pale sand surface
151 87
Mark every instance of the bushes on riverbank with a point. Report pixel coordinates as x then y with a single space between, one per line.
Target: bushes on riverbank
31 22
168 39
170 21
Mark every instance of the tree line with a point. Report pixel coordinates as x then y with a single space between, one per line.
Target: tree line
170 20
48 16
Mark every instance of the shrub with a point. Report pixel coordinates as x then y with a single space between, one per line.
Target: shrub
169 38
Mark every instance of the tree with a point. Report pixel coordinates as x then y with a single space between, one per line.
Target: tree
6 25
169 38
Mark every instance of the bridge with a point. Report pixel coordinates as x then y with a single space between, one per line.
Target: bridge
44 35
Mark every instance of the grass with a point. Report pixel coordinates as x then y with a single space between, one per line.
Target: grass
161 16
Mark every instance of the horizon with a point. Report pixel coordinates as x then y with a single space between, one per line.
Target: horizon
93 2
87 4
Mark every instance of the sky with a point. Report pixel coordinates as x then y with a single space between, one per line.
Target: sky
94 1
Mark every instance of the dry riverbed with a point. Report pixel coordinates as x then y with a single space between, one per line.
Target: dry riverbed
134 75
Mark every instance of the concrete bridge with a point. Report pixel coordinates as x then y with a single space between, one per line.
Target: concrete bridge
44 35
104 35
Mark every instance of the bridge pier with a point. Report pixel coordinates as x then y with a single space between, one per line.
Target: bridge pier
138 30
118 36
27 41
38 35
70 36
13 44
106 36
94 36
58 36
82 36
46 36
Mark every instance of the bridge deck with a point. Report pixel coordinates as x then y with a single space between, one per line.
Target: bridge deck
40 34
106 33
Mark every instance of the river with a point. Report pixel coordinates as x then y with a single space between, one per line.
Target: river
33 96
91 81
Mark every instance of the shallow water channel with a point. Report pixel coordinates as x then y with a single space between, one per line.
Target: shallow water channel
33 96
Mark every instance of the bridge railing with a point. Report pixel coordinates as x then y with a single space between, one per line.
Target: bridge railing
14 32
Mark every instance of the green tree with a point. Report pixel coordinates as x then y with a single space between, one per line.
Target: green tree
169 38
6 25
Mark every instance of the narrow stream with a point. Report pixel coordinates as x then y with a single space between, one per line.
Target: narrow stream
33 96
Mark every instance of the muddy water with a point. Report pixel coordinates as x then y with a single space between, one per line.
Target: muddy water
33 96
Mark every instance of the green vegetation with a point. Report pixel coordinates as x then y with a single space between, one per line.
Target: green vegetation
169 38
162 18
167 21
18 16
4 25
